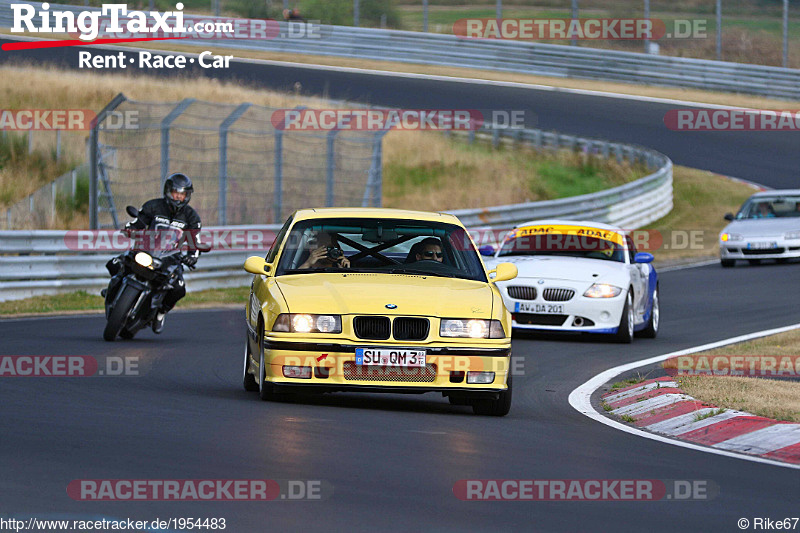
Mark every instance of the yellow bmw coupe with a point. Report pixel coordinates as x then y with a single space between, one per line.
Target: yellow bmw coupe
378 300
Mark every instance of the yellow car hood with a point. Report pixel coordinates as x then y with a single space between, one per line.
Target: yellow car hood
370 294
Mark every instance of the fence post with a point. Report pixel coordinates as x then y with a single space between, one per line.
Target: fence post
374 188
53 202
30 142
166 124
94 156
330 165
58 145
74 182
222 201
277 201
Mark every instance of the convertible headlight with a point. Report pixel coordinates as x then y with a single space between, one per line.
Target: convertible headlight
144 259
602 290
792 235
472 328
725 237
303 323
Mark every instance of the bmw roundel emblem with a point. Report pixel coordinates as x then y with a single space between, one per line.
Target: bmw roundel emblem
391 306
540 282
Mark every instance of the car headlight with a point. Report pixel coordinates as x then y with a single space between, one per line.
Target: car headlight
303 323
472 328
144 259
725 237
602 290
792 235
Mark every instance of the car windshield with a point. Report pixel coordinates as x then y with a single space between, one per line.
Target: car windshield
770 207
389 246
529 242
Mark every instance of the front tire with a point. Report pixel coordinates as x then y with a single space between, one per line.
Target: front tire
248 380
118 316
651 330
499 407
624 333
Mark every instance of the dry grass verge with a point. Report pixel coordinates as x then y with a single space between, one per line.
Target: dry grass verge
772 398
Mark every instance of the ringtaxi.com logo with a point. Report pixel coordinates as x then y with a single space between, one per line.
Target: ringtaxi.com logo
549 490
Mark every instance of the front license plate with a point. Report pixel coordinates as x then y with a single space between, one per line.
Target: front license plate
386 357
545 309
761 245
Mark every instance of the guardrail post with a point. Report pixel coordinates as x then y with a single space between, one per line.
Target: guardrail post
222 201
94 156
495 138
471 136
166 124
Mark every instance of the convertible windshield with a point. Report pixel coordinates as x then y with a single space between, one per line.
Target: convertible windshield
390 246
563 244
770 207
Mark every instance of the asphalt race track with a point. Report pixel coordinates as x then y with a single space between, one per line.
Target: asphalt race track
392 460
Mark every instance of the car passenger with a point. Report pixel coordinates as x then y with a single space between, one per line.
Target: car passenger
327 254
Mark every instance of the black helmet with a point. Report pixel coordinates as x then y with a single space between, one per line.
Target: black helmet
181 183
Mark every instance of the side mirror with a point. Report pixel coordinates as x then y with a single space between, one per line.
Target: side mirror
486 250
503 272
729 217
643 257
132 211
257 265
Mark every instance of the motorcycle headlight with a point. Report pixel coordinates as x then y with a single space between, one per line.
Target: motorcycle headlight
602 290
792 235
144 259
725 237
305 323
472 328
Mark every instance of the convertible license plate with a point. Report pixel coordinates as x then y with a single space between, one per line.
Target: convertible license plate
761 245
386 357
545 309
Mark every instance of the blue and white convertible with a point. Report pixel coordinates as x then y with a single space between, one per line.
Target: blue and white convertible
578 276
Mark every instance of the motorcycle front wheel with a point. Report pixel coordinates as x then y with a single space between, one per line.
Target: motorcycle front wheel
118 316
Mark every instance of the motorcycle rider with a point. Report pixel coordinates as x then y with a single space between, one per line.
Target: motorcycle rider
172 210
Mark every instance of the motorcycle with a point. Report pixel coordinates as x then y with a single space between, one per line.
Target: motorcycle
144 276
